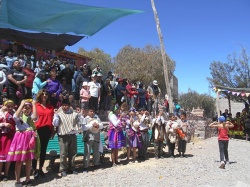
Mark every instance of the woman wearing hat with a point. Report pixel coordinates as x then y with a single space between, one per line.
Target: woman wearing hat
223 139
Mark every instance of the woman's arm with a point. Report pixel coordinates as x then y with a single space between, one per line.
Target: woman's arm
229 124
215 124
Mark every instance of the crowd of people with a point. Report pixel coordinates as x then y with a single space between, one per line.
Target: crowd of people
48 97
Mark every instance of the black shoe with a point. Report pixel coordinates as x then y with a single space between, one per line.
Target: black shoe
72 172
36 174
5 178
28 183
63 174
98 166
41 173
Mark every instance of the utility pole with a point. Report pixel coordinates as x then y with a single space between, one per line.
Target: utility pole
163 53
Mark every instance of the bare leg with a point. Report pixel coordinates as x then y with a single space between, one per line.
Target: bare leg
7 166
116 155
28 169
134 153
1 167
18 166
113 155
128 153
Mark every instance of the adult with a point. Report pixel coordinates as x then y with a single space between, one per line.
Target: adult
44 113
3 80
30 78
94 90
81 77
120 91
108 94
142 96
10 59
66 91
154 93
54 88
39 68
17 77
38 83
223 139
67 73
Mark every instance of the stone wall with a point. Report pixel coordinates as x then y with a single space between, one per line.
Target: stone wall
235 106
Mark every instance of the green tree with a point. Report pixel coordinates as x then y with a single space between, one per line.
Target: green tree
192 99
144 64
235 73
99 57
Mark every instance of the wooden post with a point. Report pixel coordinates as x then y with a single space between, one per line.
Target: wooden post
164 61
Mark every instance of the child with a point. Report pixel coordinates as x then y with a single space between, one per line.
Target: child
223 139
171 128
145 124
158 134
66 121
23 144
7 132
91 138
182 139
133 134
85 96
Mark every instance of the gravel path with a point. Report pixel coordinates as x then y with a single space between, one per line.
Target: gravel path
200 168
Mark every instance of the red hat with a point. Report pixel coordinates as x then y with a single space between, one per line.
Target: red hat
120 80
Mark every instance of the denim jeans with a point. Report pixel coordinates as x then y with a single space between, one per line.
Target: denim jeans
223 147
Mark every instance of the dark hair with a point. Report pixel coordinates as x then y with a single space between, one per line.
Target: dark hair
41 74
184 114
27 63
171 115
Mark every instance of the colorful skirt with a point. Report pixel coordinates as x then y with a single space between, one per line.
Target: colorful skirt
20 147
116 139
133 139
5 142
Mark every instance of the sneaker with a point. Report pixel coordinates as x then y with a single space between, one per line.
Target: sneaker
156 157
227 162
28 183
114 165
18 184
222 166
63 174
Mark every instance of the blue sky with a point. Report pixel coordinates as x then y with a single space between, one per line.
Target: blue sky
195 33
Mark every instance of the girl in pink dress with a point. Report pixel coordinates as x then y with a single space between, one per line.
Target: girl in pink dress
7 131
22 148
